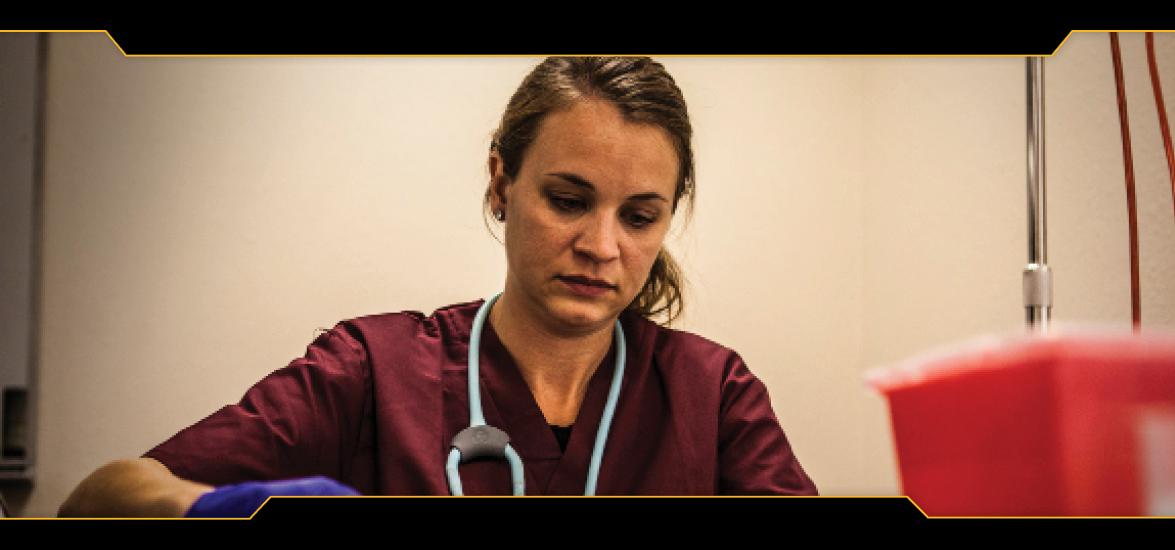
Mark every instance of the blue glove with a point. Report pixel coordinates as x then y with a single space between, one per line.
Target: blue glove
242 499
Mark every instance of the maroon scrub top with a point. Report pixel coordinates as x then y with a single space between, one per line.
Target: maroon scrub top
376 400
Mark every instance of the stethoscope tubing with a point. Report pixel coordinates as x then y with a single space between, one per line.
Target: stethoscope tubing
477 418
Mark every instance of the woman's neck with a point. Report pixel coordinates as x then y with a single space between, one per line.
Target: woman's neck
557 367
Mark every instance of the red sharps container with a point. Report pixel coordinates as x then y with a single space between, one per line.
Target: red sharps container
1075 423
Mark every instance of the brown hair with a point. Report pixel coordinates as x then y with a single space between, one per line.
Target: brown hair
645 93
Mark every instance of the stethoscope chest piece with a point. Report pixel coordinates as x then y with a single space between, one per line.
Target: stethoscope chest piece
479 442
483 441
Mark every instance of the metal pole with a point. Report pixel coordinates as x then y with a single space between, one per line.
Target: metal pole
1038 288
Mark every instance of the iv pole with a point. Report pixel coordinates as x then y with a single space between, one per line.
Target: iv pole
1038 280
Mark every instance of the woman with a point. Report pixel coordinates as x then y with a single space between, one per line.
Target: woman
590 163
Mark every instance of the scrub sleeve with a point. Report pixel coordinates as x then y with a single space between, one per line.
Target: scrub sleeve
754 455
301 420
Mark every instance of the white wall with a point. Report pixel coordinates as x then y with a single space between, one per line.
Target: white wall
204 216
1089 227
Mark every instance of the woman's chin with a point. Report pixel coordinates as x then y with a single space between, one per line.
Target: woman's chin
577 314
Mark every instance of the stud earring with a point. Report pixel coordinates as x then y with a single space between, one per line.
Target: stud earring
501 215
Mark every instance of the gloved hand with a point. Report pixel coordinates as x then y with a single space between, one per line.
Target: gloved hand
242 499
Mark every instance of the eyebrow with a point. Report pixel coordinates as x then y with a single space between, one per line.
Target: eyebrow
580 182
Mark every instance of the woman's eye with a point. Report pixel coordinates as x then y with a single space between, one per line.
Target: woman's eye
567 204
640 220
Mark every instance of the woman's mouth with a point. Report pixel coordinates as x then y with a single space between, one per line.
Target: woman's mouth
585 286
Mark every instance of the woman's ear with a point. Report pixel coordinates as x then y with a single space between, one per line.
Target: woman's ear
499 184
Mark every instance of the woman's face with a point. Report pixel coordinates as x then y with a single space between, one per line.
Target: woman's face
586 215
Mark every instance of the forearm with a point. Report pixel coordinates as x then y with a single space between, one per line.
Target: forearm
141 487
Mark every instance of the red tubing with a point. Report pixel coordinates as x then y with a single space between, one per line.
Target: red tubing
1127 158
1159 106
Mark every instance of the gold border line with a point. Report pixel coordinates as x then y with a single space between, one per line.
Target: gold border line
708 497
625 497
221 56
910 500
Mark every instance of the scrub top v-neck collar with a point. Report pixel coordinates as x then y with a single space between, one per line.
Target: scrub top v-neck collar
508 400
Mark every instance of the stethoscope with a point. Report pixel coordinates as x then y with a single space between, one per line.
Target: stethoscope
481 440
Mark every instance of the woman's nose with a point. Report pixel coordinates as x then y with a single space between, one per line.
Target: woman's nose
599 238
